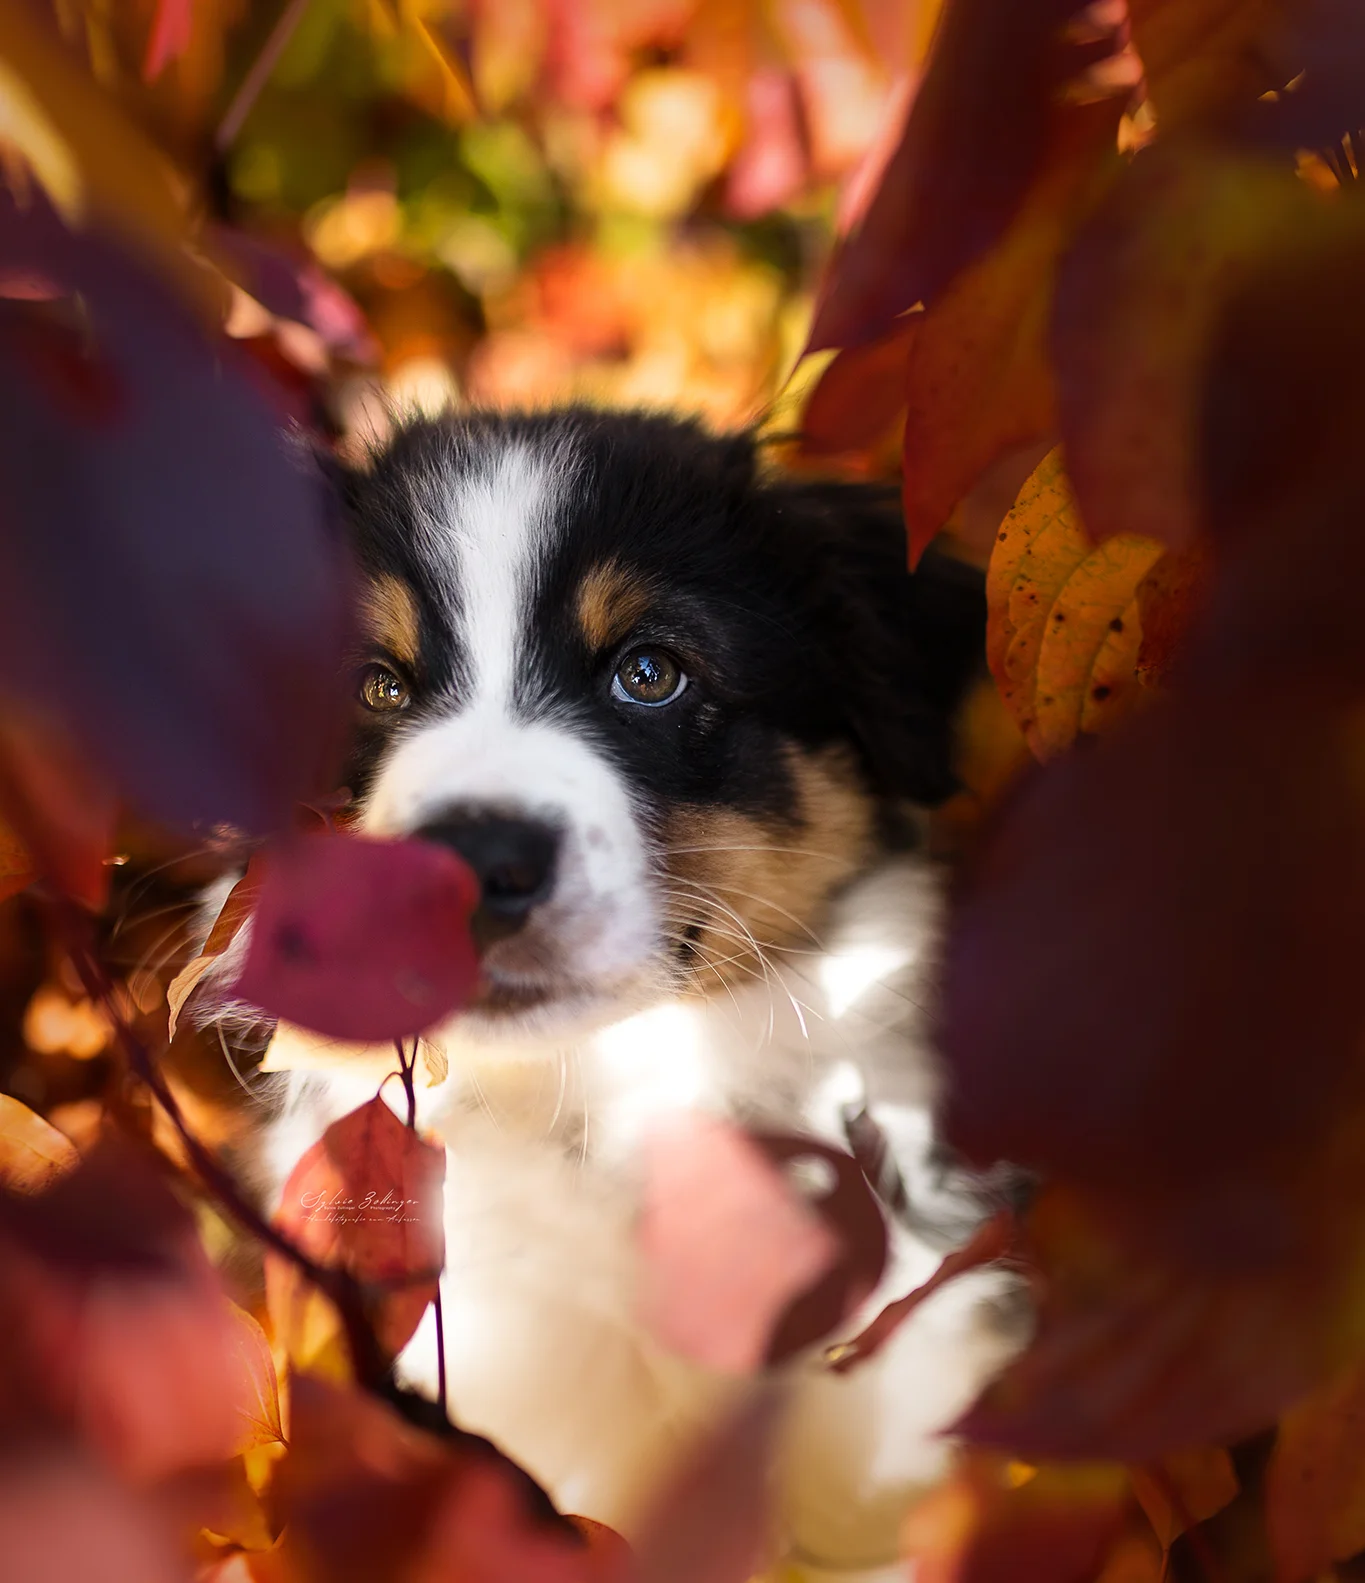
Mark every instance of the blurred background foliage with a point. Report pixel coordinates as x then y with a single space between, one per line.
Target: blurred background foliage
526 200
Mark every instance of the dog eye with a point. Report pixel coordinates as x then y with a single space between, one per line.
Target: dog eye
649 676
381 690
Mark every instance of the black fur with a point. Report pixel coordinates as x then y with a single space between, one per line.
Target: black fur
787 602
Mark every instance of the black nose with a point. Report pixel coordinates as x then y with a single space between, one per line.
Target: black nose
512 859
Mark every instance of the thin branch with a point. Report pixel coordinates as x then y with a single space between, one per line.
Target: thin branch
339 1286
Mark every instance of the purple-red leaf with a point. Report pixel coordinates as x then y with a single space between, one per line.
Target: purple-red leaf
173 590
362 940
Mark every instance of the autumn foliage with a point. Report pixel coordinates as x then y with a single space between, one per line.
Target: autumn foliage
1087 278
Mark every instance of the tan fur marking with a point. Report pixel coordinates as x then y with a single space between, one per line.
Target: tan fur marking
610 602
776 876
388 613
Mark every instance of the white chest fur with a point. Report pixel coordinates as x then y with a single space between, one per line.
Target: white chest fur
543 1352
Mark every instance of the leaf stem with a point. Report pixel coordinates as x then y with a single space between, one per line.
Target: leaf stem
406 1068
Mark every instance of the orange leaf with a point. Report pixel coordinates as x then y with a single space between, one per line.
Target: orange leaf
367 1198
978 382
255 1389
32 1153
989 1525
1062 616
1203 59
1315 1483
1184 1489
1137 299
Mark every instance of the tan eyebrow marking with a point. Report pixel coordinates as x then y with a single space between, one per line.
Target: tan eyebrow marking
388 613
611 600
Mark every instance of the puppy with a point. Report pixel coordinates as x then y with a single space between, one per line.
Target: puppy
676 715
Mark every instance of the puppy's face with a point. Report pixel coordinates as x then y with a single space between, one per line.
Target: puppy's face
657 704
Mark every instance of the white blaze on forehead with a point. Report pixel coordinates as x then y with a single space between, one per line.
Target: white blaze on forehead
492 528
485 534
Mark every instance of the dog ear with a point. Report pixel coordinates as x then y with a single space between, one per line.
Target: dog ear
908 645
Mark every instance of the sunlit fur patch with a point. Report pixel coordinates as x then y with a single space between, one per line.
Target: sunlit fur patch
389 618
611 600
742 884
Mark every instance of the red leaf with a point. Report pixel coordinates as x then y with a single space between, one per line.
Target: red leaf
62 1519
368 1198
361 940
60 805
972 142
116 1322
978 382
367 1498
169 39
1137 299
858 405
1138 1353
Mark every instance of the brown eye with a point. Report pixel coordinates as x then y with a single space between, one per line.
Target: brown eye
649 676
381 690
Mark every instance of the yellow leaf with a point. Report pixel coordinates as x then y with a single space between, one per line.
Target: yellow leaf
26 126
1093 625
1062 627
1039 544
308 1334
32 1153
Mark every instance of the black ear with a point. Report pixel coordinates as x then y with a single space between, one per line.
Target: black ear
911 644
